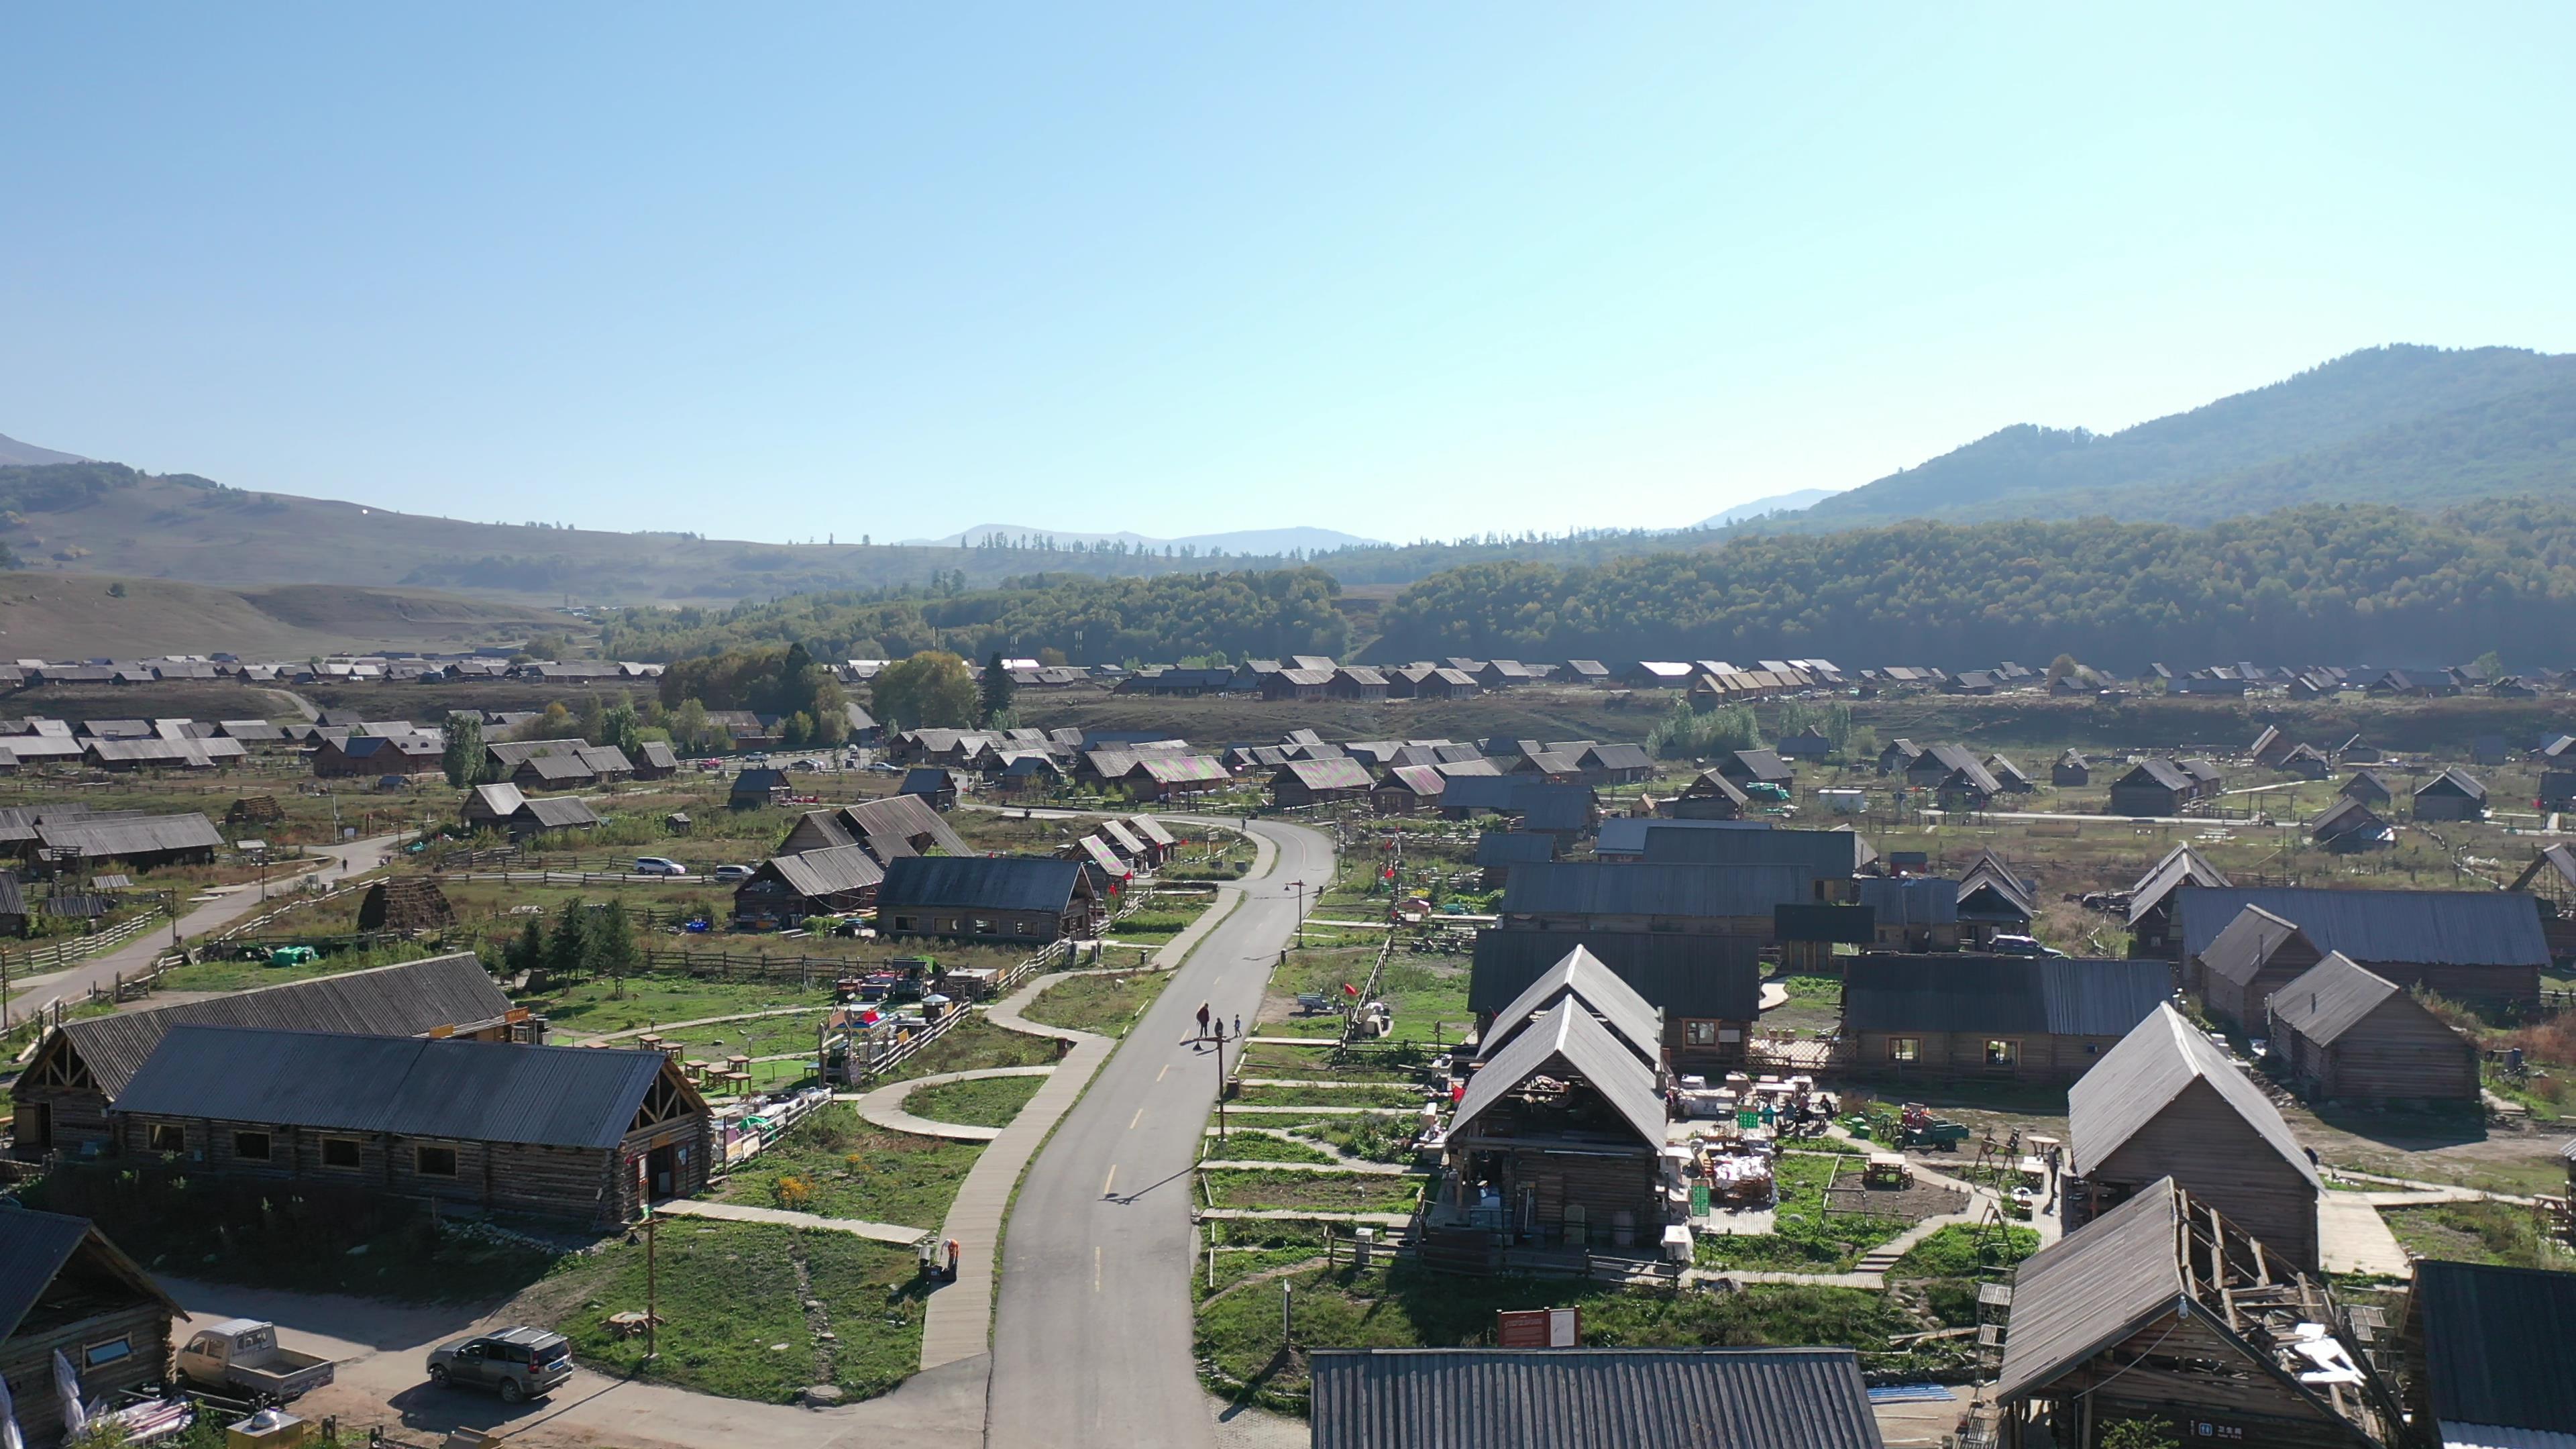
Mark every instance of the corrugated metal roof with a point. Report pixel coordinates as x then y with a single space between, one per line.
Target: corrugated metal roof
1822 852
2495 1345
832 870
1337 773
1151 829
1989 890
2002 994
147 835
2139 1078
558 812
398 1000
1423 780
2096 1287
1700 977
1618 757
985 883
2330 998
2163 773
1913 900
467 1091
1590 1398
2451 928
1514 847
1567 1041
1580 975
1626 834
1596 888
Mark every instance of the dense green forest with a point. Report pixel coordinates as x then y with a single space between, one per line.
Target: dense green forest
2341 583
1087 620
2410 425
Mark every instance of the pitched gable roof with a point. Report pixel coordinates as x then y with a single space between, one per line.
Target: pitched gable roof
2454 928
1567 1039
2093 1288
2331 998
1580 975
2011 994
2237 954
2154 1064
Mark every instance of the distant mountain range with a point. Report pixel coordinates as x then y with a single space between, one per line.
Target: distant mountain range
1258 542
2421 427
1804 498
28 454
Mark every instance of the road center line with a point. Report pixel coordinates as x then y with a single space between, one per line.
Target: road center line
1139 1117
1106 1181
1095 1267
1167 1067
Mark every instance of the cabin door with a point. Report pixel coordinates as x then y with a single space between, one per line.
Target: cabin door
38 1122
661 1167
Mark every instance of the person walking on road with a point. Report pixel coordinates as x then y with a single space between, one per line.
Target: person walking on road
1200 1043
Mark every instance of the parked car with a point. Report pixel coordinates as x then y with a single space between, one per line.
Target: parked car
803 765
2022 946
658 865
243 1355
518 1363
884 767
730 873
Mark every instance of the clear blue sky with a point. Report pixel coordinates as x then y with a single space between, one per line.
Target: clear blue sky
771 272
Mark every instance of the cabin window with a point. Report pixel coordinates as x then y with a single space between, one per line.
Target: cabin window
2002 1053
169 1138
251 1145
1700 1033
903 923
1904 1048
434 1161
339 1152
99 1354
983 926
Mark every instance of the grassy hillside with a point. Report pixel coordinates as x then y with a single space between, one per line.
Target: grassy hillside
2405 425
68 614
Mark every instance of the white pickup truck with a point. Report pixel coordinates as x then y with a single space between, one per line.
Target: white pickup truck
244 1356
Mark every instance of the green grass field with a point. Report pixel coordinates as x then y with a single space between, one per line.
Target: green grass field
835 1165
1312 1191
1103 1005
985 1102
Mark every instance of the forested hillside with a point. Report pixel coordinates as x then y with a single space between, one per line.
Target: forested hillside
2407 425
2320 583
1088 621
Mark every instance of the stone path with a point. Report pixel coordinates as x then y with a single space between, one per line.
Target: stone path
959 1322
738 1212
884 1106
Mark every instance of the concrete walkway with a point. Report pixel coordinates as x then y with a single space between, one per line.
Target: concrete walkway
959 1322
738 1212
2353 1238
884 1106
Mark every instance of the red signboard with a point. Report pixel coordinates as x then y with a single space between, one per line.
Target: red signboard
1539 1328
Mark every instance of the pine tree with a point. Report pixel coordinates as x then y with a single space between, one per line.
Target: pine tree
998 690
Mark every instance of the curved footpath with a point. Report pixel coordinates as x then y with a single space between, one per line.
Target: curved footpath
1093 1344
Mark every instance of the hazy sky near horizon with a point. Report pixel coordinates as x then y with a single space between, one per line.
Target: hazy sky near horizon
775 272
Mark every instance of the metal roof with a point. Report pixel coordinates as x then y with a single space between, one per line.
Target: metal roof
1579 974
1151 829
2162 773
1589 1398
1596 888
2451 928
2495 1345
1759 765
1913 900
1563 1041
888 826
34 1249
2454 781
464 1091
1989 890
2181 865
1514 847
1698 977
2238 953
399 1000
146 835
1627 834
2094 1288
1420 779
1618 757
2136 1080
986 883
1823 852
1339 772
2010 995
2330 998
832 870
556 812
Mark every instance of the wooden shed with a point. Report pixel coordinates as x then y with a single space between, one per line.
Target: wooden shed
1951 1017
2165 1103
827 880
2349 1035
1563 1131
564 1132
2454 794
2152 901
1317 782
1711 796
64 1288
2072 771
2476 945
2256 955
997 897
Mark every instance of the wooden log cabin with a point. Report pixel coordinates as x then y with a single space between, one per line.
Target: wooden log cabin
1993 1018
2485 946
994 898
2166 1311
2255 956
2347 1034
2165 1103
64 1288
2152 900
63 1096
574 1133
1560 1136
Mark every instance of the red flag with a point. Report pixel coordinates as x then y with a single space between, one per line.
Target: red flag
1349 990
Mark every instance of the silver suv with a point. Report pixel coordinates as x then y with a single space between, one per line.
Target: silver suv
520 1363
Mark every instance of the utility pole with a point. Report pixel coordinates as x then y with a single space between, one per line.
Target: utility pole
1220 1081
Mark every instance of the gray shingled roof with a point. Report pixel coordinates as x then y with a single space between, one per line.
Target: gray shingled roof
2452 928
1709 978
1580 974
399 1000
2009 995
465 1091
2139 1078
1590 1398
1567 1040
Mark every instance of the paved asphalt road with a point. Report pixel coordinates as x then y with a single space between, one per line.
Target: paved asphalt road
341 862
1092 1344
